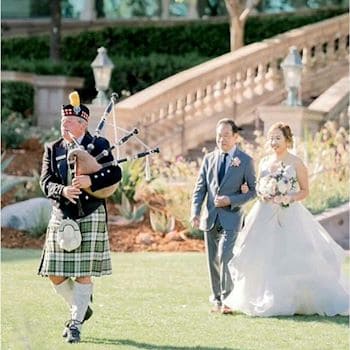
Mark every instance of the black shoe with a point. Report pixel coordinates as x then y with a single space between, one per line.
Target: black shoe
73 335
88 314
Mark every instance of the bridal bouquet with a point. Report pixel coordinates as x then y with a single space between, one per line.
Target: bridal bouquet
278 183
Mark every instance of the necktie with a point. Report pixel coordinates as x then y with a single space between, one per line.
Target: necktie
222 167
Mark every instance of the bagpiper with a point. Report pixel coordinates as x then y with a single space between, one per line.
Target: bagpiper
76 246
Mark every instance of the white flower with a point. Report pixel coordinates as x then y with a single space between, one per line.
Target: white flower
271 187
267 186
261 186
283 186
235 162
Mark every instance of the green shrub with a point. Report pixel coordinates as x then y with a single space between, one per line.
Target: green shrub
16 97
49 135
169 194
30 189
138 72
327 191
161 222
131 73
328 158
132 175
8 182
132 213
144 55
14 131
178 203
258 28
42 66
32 48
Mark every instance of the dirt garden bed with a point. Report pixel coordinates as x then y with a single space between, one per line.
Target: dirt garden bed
130 238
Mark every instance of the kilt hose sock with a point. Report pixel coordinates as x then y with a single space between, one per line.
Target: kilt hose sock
77 296
65 289
80 301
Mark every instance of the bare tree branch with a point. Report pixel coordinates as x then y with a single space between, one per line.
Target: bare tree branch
238 11
244 15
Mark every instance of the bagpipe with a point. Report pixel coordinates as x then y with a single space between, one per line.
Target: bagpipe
83 163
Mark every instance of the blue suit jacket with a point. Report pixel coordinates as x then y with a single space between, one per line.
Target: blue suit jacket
207 187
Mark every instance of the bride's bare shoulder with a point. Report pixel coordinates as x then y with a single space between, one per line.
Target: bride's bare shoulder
265 161
297 162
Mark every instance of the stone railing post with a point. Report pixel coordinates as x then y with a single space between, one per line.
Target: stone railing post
298 118
50 93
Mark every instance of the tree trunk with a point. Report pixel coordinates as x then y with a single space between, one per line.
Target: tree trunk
55 39
238 12
236 33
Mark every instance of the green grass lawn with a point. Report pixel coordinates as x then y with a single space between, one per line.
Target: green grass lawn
152 301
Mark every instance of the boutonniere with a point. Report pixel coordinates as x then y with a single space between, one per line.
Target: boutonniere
235 162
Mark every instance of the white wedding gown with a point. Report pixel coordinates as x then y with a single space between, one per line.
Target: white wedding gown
285 263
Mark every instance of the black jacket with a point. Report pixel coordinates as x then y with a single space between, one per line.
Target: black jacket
54 176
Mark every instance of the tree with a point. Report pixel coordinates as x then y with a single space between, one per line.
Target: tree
238 11
55 38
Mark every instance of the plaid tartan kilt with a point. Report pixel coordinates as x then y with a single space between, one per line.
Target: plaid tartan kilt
92 258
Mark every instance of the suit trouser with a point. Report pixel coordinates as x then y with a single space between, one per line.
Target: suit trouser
219 246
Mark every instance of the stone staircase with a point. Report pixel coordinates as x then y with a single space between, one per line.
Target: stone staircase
197 152
180 113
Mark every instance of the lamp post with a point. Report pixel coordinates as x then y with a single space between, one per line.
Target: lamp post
292 70
102 67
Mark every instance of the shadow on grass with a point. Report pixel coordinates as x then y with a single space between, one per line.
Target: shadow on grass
341 320
8 255
127 342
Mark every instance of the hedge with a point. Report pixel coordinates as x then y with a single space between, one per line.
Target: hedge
144 55
205 38
18 97
131 73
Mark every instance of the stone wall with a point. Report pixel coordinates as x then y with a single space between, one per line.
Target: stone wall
336 222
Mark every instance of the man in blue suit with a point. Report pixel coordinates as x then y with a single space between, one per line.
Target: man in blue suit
221 177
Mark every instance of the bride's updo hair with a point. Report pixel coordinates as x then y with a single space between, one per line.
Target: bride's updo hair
286 131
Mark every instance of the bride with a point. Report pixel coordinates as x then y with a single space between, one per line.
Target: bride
284 262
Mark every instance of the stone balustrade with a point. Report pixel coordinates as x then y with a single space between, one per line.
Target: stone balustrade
330 105
181 111
333 104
